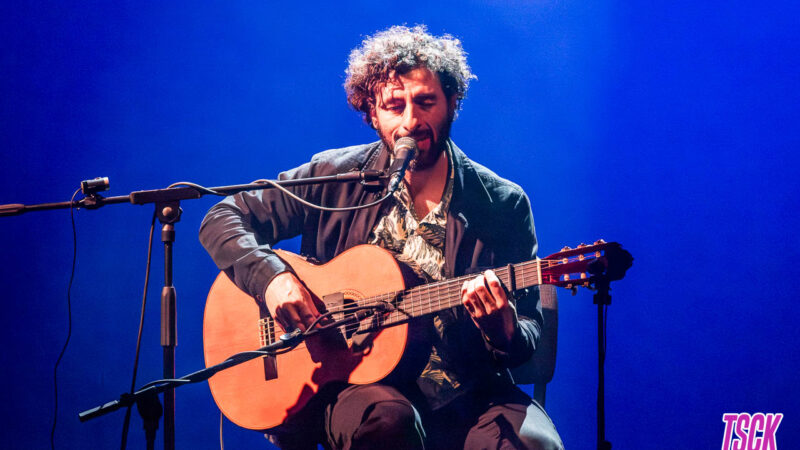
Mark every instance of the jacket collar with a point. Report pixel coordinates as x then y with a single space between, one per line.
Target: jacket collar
470 196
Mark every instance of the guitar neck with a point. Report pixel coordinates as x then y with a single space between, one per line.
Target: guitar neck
434 297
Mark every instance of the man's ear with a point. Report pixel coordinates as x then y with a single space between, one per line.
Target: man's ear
373 118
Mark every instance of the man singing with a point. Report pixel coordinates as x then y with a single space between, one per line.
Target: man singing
449 217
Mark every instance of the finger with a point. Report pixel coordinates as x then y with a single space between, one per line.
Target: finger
465 300
307 310
496 289
292 318
307 316
474 298
283 318
484 295
297 313
309 305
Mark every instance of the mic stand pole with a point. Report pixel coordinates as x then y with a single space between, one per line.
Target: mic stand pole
168 214
611 267
602 299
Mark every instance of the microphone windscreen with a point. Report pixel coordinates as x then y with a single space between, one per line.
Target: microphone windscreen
405 143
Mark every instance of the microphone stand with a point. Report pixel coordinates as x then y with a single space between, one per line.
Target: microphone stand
603 271
168 211
146 396
602 299
146 399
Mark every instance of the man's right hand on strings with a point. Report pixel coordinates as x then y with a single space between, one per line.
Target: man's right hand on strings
290 303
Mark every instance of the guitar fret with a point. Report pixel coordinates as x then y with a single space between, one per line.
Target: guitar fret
438 298
539 270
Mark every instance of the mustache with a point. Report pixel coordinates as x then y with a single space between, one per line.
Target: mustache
419 136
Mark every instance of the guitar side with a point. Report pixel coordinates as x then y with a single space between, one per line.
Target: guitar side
248 394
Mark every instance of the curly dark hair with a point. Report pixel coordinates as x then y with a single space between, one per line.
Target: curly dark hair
401 49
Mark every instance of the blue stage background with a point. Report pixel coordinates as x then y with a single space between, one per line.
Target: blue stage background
670 127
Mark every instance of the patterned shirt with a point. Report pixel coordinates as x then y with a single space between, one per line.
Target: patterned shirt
419 243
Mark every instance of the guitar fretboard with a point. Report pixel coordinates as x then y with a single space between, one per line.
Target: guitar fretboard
437 296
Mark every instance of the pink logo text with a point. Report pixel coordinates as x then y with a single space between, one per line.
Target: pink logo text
744 431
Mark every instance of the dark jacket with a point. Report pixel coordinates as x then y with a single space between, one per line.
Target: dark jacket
489 224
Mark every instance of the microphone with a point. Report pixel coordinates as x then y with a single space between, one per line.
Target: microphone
404 151
95 185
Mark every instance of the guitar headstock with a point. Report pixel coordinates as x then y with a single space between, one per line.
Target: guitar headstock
583 265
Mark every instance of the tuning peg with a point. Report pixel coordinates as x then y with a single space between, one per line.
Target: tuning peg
599 241
581 245
566 247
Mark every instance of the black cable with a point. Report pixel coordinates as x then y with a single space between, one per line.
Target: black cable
197 187
292 195
221 442
324 208
345 310
127 422
166 380
69 319
376 308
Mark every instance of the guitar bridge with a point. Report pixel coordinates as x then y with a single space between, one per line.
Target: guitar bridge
266 334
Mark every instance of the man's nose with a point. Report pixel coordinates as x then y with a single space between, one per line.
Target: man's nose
410 119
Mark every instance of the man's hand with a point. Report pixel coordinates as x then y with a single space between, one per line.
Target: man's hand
290 303
488 305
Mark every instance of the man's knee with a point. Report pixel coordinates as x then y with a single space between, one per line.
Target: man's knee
500 434
373 416
540 440
392 423
514 426
537 430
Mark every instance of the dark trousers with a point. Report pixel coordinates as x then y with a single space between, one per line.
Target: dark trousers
377 416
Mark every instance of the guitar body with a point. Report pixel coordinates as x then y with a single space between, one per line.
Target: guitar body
264 392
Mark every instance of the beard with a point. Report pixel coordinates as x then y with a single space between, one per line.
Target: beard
424 159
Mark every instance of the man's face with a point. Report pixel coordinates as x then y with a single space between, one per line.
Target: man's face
413 104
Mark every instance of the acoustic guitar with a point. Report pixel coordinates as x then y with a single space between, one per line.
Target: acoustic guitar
262 393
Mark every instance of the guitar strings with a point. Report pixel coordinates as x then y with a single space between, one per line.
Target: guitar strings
415 301
410 295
